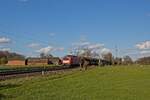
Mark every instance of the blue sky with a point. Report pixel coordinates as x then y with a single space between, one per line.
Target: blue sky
60 23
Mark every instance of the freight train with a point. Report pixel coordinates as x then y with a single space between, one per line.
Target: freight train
72 60
69 60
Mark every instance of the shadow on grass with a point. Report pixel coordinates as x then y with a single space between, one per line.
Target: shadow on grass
7 86
3 97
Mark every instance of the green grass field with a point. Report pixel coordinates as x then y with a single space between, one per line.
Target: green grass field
101 83
5 68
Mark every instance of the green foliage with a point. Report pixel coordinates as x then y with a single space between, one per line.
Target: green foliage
3 60
103 83
11 55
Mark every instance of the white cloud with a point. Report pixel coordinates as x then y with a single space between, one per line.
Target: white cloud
81 44
59 49
49 49
46 50
4 40
34 45
143 45
52 34
138 53
5 49
145 52
23 0
148 14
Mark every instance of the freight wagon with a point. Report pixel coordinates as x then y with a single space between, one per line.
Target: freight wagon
16 62
37 61
44 61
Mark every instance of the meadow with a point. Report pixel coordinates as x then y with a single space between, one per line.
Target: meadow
100 83
6 68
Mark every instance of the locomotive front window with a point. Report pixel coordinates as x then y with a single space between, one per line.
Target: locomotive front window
65 59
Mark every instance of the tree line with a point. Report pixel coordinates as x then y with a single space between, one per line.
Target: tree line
5 56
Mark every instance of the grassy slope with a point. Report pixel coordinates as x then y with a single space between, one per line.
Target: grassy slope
107 83
5 68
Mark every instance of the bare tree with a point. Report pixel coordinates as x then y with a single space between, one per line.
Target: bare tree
127 60
117 61
42 55
85 53
107 56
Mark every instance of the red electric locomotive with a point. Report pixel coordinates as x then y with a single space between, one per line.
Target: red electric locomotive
70 60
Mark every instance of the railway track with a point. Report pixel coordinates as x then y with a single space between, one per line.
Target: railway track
33 72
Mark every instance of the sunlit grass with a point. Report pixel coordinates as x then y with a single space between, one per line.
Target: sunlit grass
101 83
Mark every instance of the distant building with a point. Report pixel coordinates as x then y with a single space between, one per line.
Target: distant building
16 62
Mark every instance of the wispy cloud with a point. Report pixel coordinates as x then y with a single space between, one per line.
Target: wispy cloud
52 34
148 14
59 49
4 40
81 44
143 45
145 52
142 50
34 45
23 0
5 49
45 50
49 49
